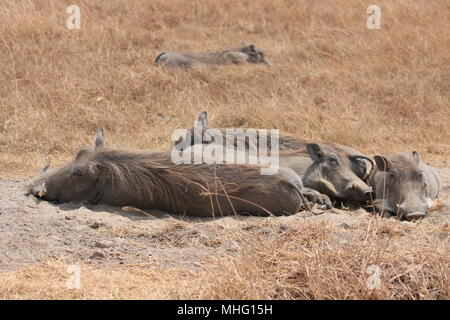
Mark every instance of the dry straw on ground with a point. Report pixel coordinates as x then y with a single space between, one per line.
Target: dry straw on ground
309 260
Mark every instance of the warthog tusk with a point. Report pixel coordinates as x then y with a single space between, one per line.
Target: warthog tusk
331 188
415 215
42 190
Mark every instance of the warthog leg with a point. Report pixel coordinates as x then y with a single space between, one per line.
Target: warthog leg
316 197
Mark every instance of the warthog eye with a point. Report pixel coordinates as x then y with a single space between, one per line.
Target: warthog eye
77 172
333 162
421 178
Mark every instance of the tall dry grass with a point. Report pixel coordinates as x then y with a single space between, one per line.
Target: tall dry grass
332 79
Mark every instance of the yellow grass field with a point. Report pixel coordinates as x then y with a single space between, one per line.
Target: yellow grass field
332 79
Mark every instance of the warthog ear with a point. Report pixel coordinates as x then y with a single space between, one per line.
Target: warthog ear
315 152
203 120
100 138
247 44
367 171
383 164
416 157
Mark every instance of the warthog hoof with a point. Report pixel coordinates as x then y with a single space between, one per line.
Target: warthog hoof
317 198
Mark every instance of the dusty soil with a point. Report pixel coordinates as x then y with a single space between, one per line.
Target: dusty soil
33 231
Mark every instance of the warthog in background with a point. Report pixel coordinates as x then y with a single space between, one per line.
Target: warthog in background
245 53
334 170
150 180
403 185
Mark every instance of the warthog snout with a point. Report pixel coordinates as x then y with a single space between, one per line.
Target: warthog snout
38 187
358 191
413 211
38 190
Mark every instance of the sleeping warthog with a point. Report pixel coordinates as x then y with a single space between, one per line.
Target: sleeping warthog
328 172
245 53
334 170
150 180
404 186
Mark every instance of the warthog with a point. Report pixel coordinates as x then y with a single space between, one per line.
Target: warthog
245 53
403 185
334 170
151 180
330 173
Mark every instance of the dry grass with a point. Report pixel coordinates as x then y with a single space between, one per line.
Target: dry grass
310 260
334 80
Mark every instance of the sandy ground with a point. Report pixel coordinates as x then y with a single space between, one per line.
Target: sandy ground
33 231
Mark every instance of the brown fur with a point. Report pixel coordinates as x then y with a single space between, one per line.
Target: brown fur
343 182
151 180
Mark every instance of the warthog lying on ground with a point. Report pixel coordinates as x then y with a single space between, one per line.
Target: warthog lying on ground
151 180
245 53
334 170
329 172
403 185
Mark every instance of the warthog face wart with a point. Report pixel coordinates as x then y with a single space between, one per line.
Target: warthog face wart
335 176
404 186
